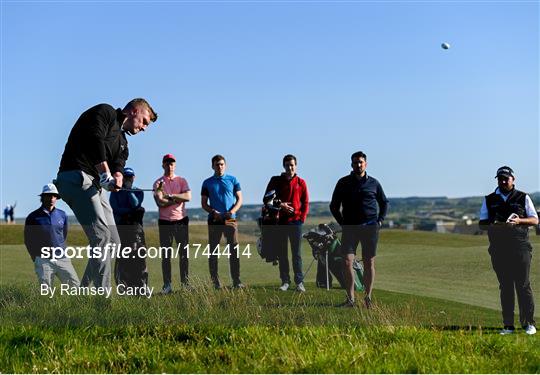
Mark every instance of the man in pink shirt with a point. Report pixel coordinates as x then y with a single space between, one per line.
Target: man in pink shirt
170 193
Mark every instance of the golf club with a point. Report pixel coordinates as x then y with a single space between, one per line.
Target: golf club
135 190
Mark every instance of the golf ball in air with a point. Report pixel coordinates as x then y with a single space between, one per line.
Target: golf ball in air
445 46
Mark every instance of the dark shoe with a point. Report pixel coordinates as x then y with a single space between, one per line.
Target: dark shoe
347 303
238 285
215 282
367 302
121 288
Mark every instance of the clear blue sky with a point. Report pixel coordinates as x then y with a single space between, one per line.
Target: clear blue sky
256 80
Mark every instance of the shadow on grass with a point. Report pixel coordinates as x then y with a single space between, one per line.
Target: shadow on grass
465 328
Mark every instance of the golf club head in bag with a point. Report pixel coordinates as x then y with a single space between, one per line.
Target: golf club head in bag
271 208
323 238
325 245
268 226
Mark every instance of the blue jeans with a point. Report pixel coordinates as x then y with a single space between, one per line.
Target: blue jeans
290 232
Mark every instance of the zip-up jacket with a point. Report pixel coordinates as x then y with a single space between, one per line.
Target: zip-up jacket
359 199
294 191
97 136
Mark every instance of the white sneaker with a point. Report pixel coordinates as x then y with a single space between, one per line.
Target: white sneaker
284 287
530 329
507 331
167 289
300 288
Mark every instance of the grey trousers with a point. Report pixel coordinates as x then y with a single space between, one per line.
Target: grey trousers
46 269
92 209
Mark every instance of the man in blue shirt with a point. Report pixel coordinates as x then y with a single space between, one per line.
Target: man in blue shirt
124 202
128 214
359 205
221 197
48 227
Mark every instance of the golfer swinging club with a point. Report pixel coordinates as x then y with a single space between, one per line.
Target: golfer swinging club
93 161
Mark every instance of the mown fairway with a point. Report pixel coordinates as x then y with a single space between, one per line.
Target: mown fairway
420 323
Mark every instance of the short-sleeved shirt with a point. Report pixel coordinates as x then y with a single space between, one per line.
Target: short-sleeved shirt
45 228
221 191
174 185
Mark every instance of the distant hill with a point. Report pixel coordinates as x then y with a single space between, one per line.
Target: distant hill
412 212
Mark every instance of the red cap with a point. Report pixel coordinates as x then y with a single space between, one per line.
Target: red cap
169 157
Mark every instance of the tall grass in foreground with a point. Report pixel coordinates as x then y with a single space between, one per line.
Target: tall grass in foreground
256 349
253 330
263 306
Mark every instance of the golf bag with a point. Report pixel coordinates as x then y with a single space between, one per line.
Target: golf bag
268 224
326 248
131 270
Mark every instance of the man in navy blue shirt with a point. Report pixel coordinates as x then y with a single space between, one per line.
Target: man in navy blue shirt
359 205
221 197
48 227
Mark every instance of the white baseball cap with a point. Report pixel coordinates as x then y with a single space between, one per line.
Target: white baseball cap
49 189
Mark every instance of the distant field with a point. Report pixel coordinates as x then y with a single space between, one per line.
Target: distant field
436 311
447 266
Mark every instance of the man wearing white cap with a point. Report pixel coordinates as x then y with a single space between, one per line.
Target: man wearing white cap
48 227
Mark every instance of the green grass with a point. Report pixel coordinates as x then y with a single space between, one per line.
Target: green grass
447 266
436 311
254 330
182 349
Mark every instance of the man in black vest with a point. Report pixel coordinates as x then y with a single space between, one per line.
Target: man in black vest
507 214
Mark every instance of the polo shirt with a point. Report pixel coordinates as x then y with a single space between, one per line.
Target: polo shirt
173 185
221 191
45 229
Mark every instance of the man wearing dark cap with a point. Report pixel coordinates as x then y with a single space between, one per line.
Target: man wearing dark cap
48 227
507 214
130 269
92 163
171 192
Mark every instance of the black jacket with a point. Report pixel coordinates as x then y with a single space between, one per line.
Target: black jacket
97 136
359 199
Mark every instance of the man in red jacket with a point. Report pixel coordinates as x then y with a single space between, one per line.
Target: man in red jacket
292 191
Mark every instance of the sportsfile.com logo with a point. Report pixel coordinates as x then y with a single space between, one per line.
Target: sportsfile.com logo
115 251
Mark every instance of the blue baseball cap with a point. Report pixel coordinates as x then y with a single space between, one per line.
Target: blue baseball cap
129 172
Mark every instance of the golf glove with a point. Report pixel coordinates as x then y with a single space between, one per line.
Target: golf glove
106 181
